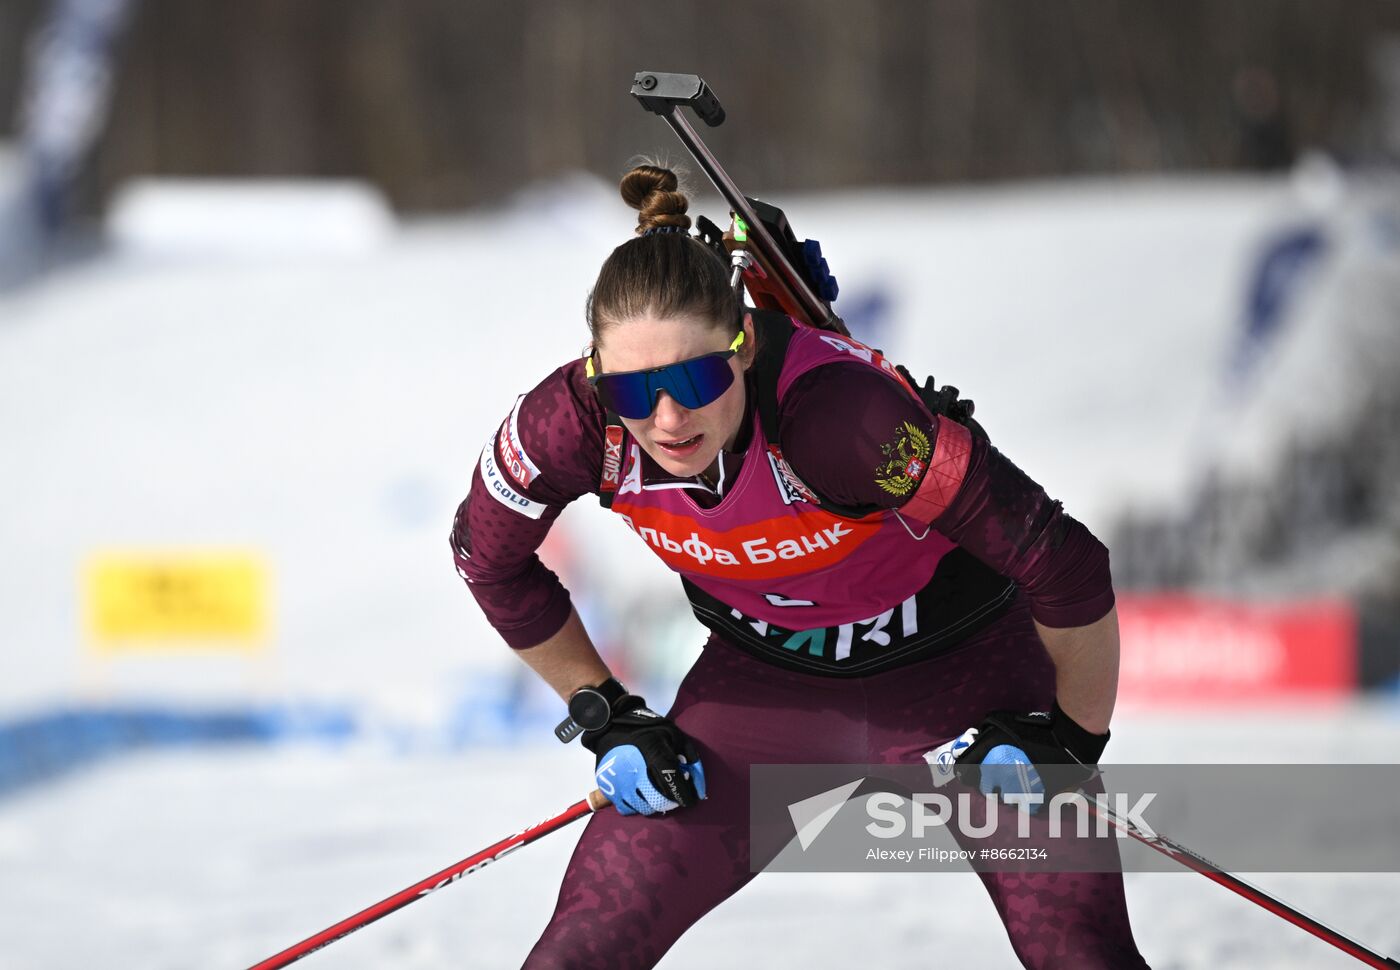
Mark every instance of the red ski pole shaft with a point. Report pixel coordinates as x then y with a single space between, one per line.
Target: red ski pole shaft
595 801
1254 894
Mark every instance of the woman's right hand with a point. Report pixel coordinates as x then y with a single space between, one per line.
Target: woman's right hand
646 765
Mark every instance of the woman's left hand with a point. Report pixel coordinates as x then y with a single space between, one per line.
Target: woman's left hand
1024 758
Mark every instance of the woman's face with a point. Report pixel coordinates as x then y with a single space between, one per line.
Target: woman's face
684 442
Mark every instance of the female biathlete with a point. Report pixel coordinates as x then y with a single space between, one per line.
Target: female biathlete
876 579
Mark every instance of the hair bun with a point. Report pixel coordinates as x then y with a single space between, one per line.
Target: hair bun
652 191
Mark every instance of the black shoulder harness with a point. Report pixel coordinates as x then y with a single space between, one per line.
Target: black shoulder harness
614 462
775 331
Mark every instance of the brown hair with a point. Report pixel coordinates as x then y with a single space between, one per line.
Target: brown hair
664 274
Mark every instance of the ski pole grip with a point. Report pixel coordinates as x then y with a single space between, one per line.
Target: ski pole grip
597 800
660 93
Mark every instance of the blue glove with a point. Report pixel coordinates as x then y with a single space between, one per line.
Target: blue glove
1021 756
646 765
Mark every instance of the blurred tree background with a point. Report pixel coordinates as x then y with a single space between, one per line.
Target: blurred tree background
445 104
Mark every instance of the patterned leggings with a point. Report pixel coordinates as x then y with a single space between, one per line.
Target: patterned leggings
634 885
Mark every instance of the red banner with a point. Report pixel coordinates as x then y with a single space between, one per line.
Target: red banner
1187 650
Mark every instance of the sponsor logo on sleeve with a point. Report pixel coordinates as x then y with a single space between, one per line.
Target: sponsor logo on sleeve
905 460
502 489
512 454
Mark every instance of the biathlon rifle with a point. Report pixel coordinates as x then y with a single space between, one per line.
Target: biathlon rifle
779 271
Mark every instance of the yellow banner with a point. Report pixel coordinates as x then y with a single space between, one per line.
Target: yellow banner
138 601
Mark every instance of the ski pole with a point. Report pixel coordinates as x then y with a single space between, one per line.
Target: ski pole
1199 863
596 801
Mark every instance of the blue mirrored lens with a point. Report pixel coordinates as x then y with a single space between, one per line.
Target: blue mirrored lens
692 383
626 394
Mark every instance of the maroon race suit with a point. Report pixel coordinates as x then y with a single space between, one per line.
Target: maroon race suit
833 442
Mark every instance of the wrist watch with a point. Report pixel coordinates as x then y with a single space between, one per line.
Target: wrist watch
590 709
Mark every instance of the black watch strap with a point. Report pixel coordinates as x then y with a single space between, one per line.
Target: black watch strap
590 709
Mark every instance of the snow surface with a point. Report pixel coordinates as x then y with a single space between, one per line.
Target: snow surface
220 858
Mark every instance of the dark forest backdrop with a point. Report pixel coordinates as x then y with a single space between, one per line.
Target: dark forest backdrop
445 103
